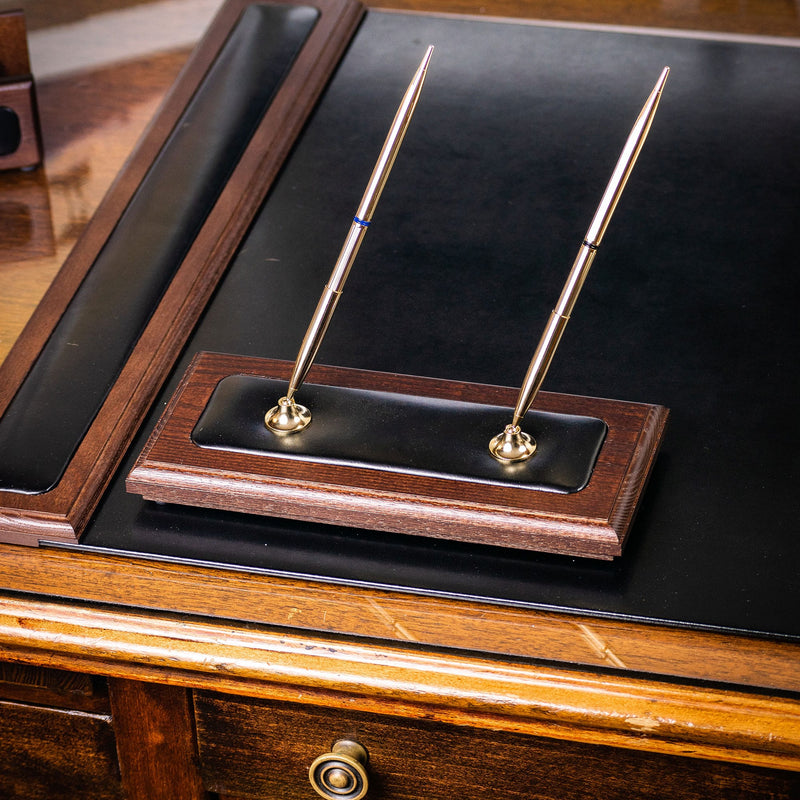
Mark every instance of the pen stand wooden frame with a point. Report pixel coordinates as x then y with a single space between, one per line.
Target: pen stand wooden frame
189 460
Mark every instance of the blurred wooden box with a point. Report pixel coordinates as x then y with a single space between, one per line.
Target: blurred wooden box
20 137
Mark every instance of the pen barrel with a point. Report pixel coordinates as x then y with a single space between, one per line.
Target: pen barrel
554 329
540 363
551 336
333 289
625 163
575 280
313 338
325 307
394 139
347 255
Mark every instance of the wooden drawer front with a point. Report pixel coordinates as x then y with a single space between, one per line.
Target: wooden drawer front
254 749
47 754
53 687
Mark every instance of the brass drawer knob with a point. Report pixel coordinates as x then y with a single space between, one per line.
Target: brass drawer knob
341 774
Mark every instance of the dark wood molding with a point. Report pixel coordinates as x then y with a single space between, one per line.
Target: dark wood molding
62 513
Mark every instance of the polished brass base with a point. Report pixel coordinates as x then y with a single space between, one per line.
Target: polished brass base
287 417
341 774
512 445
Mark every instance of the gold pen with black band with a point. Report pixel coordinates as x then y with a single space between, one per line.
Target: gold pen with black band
512 444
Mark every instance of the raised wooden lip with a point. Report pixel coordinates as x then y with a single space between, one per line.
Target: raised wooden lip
62 513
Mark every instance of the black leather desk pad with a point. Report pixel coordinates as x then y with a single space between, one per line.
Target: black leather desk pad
417 435
688 303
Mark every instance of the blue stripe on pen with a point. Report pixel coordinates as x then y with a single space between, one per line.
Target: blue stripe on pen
363 223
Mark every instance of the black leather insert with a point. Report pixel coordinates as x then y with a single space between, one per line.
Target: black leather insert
404 433
67 385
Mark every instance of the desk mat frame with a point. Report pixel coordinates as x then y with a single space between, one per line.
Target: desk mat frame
62 512
593 522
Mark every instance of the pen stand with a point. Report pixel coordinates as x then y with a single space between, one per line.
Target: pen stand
402 454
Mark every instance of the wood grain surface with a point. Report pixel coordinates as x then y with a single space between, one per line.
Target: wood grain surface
765 17
155 739
52 754
755 17
263 749
626 645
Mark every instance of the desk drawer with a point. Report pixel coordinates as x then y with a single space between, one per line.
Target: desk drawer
254 749
56 754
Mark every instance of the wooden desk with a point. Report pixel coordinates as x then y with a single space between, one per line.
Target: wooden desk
153 678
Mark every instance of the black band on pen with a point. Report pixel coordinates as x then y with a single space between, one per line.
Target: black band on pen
590 245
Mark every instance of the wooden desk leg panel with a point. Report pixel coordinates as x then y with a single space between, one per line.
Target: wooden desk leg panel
155 741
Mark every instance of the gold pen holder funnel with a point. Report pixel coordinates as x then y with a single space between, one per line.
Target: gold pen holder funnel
512 445
373 457
287 417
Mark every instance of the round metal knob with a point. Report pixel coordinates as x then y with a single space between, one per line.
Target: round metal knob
341 774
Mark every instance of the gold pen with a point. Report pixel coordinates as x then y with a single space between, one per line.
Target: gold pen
513 444
289 416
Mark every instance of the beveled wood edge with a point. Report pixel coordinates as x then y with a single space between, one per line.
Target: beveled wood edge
390 614
376 511
638 474
457 689
62 513
591 523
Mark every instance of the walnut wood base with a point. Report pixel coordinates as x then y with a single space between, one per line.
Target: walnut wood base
593 522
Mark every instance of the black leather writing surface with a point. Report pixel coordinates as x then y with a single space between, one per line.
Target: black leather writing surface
689 303
404 433
65 388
